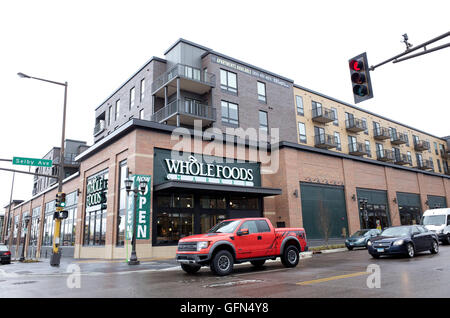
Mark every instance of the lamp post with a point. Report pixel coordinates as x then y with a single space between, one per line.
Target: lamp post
56 253
142 185
26 220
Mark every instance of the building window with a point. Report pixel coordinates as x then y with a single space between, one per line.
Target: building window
142 89
117 109
110 114
49 223
335 121
262 91
34 229
408 154
337 137
439 165
141 114
368 152
436 151
230 113
407 140
171 227
121 214
366 131
132 97
228 81
96 203
299 101
263 122
302 132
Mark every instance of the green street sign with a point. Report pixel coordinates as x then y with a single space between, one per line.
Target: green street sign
32 162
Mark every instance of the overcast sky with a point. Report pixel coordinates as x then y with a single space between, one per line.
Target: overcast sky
97 45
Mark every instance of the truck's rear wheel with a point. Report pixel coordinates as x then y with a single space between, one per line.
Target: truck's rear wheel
222 263
190 269
258 263
290 256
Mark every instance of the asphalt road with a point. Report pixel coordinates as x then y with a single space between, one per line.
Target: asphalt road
342 274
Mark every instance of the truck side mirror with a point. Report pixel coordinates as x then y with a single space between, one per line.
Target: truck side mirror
242 232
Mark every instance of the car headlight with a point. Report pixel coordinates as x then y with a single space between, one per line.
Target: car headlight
202 245
398 243
369 243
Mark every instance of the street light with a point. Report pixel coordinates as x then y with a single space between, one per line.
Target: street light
142 186
56 253
26 219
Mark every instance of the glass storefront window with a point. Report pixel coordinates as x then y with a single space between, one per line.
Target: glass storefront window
409 215
122 204
170 227
243 203
207 221
95 218
212 202
183 201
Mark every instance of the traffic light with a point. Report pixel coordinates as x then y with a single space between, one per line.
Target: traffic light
60 201
360 77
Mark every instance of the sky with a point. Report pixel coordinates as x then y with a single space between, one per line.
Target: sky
96 45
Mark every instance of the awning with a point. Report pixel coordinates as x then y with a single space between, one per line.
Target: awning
176 185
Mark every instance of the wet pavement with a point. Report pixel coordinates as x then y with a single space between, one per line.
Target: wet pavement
342 274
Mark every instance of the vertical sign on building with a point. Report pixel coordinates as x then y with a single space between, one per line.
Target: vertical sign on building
142 210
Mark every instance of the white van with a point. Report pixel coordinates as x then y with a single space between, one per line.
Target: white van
438 220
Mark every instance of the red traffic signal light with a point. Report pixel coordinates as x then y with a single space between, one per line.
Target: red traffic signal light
360 77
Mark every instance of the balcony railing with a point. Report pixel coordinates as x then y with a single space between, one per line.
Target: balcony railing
385 155
325 141
355 125
99 127
421 145
399 138
188 112
323 115
424 164
357 149
69 159
381 133
184 71
401 159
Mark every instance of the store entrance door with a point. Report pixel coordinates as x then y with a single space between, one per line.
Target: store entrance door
375 216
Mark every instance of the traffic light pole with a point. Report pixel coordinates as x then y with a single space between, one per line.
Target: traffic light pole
397 58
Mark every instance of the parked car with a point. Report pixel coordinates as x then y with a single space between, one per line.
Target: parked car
360 238
234 241
408 240
438 221
5 254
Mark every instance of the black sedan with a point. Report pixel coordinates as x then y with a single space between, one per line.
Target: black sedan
407 240
5 255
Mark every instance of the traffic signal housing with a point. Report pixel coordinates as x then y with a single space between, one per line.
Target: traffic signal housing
360 77
60 201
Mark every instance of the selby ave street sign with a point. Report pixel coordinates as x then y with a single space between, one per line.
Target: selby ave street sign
31 162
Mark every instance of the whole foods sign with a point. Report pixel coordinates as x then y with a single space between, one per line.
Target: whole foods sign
96 190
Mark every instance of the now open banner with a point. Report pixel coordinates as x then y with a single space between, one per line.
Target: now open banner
142 212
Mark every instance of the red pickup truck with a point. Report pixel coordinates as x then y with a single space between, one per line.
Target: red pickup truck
236 241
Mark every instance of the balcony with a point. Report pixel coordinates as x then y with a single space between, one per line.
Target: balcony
322 115
69 159
178 113
445 154
424 164
355 125
385 155
421 145
191 79
399 138
381 133
357 149
325 141
401 159
99 127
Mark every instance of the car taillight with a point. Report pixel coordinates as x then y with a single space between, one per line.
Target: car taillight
7 253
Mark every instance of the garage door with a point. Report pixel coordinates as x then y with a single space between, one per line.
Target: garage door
323 210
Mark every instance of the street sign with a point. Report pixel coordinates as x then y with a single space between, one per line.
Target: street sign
32 162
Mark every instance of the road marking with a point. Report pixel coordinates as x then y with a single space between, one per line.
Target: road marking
315 281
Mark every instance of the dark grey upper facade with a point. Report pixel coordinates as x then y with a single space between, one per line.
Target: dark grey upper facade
194 82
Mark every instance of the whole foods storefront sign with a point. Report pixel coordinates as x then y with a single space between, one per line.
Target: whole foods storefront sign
96 189
214 170
142 212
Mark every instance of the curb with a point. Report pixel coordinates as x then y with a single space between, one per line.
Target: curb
335 250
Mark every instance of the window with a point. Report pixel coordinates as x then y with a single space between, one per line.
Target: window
364 121
192 73
368 152
263 124
299 101
228 81
393 133
110 115
142 89
432 163
121 215
95 217
262 91
132 97
337 137
335 122
380 152
407 140
262 226
141 114
117 109
250 226
316 109
243 203
408 154
302 132
230 113
376 128
439 165
436 151
170 227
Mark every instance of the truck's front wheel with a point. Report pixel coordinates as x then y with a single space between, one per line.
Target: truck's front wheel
190 269
290 256
222 263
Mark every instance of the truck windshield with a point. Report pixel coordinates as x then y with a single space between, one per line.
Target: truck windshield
225 227
433 220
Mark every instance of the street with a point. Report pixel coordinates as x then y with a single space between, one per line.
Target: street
340 274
